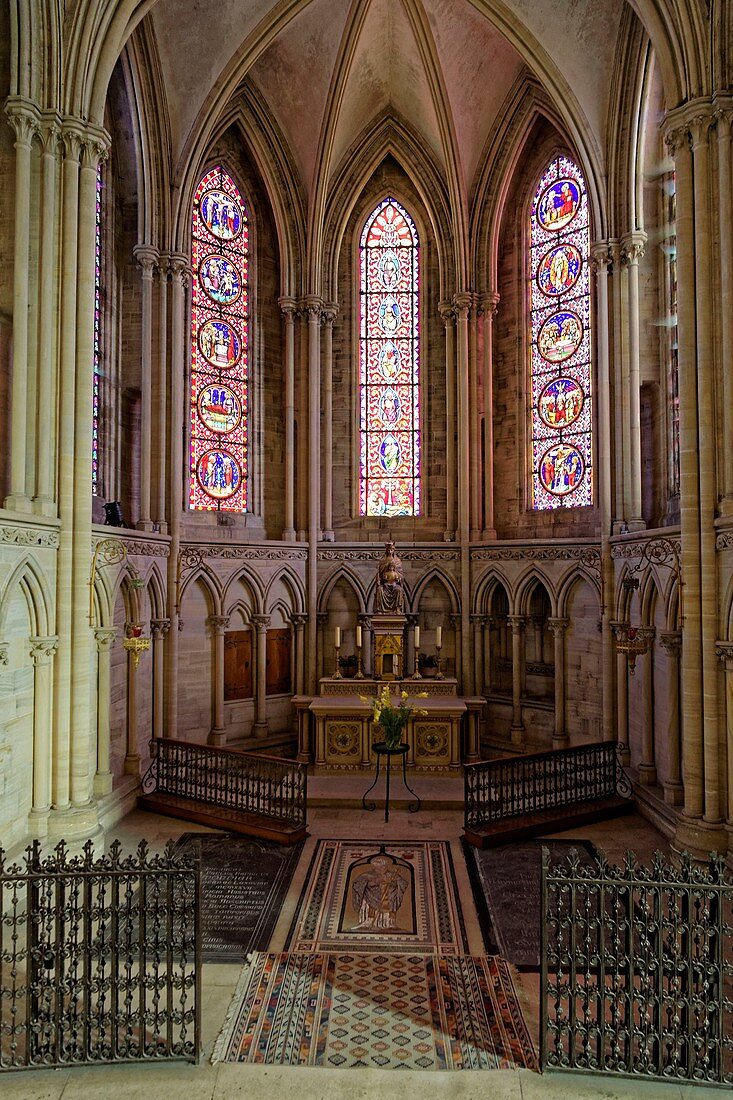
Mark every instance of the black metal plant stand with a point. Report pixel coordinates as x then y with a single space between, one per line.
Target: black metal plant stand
382 749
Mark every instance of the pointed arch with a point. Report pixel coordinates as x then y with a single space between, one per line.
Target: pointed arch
31 579
576 574
294 586
525 584
246 576
490 582
342 573
436 576
210 585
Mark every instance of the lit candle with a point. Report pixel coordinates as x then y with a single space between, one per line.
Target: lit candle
337 637
358 637
417 637
439 637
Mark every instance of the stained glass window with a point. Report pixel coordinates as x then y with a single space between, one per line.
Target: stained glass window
673 381
97 299
389 364
219 346
562 458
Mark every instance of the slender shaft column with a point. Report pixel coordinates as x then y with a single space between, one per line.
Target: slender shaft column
725 244
42 652
313 311
455 621
622 693
486 686
488 304
321 621
260 728
725 654
179 271
132 757
448 318
25 124
287 306
146 257
45 437
647 768
475 465
159 434
622 442
517 622
329 314
462 305
105 637
217 625
299 620
159 628
478 651
672 785
560 739
691 675
94 148
633 245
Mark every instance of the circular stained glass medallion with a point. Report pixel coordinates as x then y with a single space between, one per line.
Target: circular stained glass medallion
390 454
390 406
390 315
557 205
561 469
220 409
560 337
561 402
219 344
220 279
389 361
221 214
559 270
219 474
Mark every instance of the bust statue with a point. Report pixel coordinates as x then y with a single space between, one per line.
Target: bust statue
390 596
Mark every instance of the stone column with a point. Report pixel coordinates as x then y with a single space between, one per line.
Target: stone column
159 628
260 727
620 394
725 244
672 785
42 651
633 245
478 652
408 657
517 622
725 655
24 120
619 628
462 305
299 620
218 625
46 433
448 318
321 621
475 466
105 637
366 644
132 758
455 621
146 257
161 448
287 306
487 685
560 739
488 304
312 307
329 314
647 769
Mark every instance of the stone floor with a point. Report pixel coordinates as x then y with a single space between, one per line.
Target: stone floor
219 1082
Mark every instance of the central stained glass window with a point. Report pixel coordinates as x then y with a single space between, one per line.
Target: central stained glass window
562 443
219 346
389 364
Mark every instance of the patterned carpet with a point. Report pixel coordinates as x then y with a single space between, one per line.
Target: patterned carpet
385 1011
393 897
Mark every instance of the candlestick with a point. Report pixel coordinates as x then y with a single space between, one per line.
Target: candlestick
337 637
416 674
358 636
439 637
417 637
438 647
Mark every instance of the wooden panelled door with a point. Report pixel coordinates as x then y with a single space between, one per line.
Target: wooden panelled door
278 662
237 665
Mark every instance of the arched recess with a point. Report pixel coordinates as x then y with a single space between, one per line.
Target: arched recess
22 617
524 587
289 584
536 603
583 660
30 579
342 573
434 603
246 585
340 603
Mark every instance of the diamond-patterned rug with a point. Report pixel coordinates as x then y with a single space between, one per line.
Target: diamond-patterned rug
384 1011
395 896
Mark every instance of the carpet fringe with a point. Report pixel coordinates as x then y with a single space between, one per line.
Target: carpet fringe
218 1054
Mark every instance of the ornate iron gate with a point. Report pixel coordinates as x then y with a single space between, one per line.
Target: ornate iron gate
637 969
99 958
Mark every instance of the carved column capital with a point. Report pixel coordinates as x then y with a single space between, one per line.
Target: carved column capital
43 649
633 246
311 307
288 307
50 132
95 147
261 623
517 623
446 313
329 312
488 302
600 252
558 626
218 623
104 637
4 650
147 259
299 619
724 653
462 304
25 120
180 268
322 618
160 627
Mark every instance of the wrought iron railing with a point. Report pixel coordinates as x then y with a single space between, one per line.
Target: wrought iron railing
517 785
99 958
252 783
637 970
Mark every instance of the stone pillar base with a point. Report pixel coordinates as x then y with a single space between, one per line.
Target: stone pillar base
75 825
144 525
517 735
217 738
699 837
132 764
38 824
647 774
289 534
260 729
488 534
674 794
18 504
560 741
44 506
102 784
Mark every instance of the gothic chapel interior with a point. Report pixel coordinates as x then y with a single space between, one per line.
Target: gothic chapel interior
282 282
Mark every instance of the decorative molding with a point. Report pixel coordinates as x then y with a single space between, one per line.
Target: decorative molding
724 541
135 547
30 536
587 556
247 553
369 554
635 548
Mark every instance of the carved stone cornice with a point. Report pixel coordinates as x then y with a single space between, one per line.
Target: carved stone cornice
634 549
134 546
368 554
588 556
248 553
29 536
633 246
43 649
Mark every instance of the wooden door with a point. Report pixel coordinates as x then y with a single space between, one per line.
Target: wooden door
237 665
278 662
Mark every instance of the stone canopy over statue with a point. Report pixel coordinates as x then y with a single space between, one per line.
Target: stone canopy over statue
390 594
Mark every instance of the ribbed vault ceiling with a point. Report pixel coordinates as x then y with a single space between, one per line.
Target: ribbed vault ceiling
336 66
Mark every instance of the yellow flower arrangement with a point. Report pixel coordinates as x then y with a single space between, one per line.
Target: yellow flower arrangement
392 720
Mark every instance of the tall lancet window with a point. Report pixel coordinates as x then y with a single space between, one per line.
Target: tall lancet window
219 346
561 415
389 364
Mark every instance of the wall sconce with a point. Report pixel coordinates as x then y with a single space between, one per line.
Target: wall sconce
135 644
633 641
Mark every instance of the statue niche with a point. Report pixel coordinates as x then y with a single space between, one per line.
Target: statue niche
388 621
390 595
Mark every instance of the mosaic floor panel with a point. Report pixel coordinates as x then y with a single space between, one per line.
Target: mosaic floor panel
384 1011
396 896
